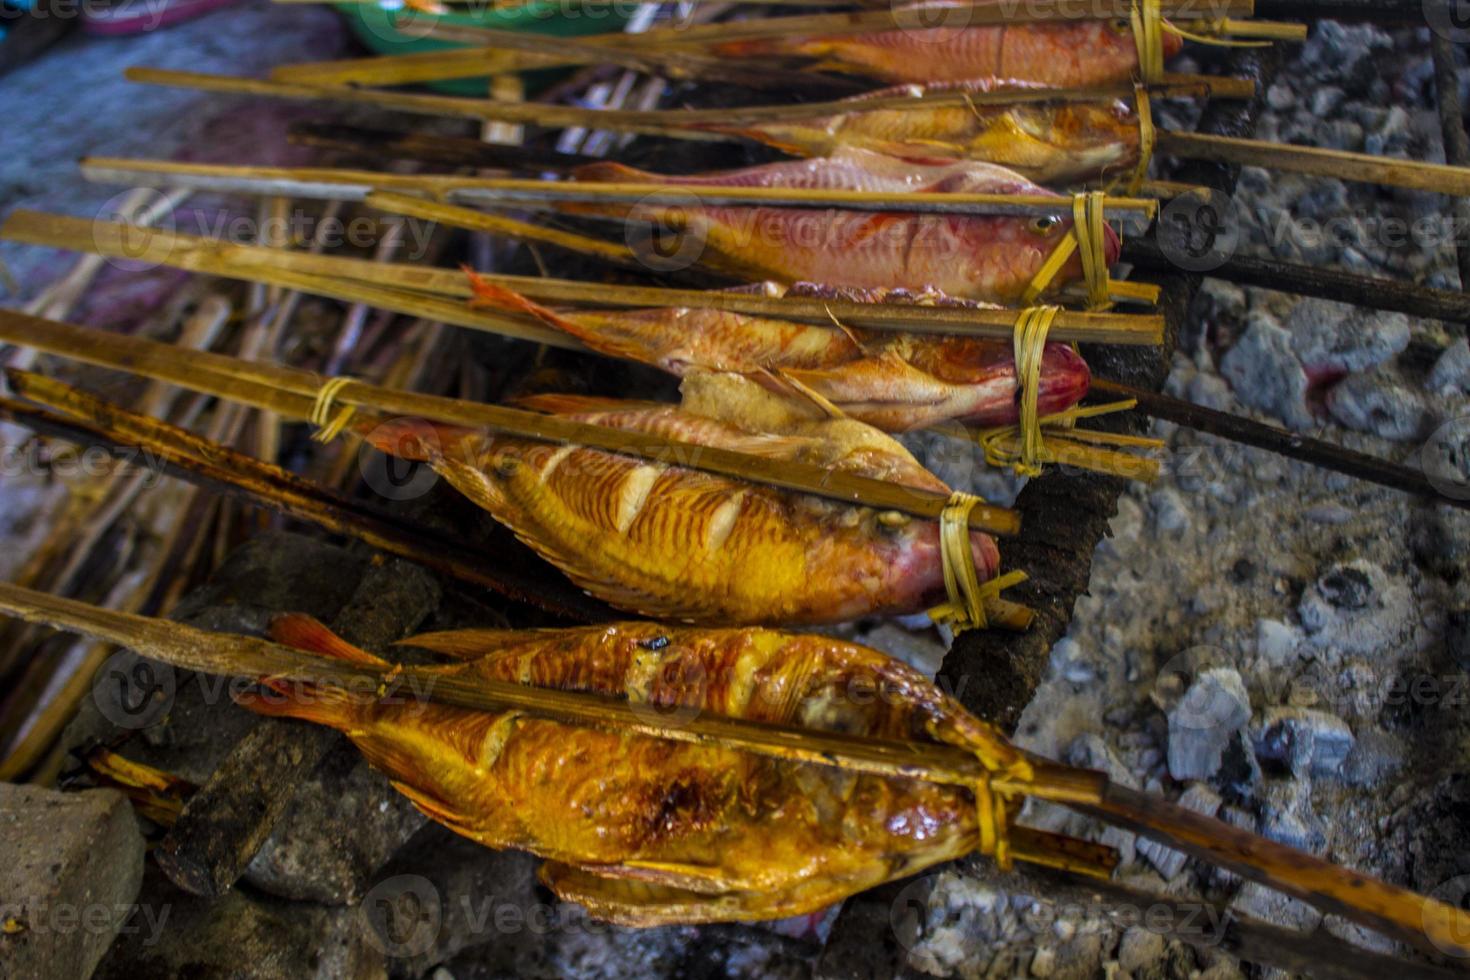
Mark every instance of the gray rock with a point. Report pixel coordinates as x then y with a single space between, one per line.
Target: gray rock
1336 337
1200 798
1305 739
1171 514
1376 756
1325 100
1210 391
1139 949
1377 403
1451 371
1090 751
1265 374
1260 902
238 936
1213 709
1276 642
308 857
70 868
1355 608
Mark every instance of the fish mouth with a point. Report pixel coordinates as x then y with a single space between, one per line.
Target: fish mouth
1112 244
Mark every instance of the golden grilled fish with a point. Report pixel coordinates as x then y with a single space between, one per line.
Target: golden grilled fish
985 257
1062 54
1048 144
892 380
644 831
674 543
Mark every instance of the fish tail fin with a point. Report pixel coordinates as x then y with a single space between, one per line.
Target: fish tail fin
489 295
305 633
609 171
417 440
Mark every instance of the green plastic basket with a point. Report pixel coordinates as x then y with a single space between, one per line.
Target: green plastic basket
374 26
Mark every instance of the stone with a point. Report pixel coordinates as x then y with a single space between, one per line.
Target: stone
1379 404
1209 391
1139 949
1171 514
1214 707
1265 374
308 857
1356 608
1451 371
238 936
1276 642
1261 903
1335 338
70 868
1200 798
1308 741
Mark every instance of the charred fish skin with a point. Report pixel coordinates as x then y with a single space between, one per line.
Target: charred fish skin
673 543
895 381
986 257
705 833
1073 54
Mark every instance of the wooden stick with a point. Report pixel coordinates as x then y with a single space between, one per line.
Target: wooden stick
354 185
1314 160
228 377
300 85
1289 444
220 468
338 273
1373 292
453 151
1429 923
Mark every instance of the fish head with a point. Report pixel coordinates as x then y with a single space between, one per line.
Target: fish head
1065 379
914 573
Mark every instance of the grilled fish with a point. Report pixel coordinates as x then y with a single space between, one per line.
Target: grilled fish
1064 54
894 381
674 543
1044 143
644 831
987 257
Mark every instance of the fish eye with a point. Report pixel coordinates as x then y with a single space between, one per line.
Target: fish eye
1121 26
1045 224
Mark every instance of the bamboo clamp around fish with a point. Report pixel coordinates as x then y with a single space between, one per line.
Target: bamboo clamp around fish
397 286
354 185
228 377
1425 922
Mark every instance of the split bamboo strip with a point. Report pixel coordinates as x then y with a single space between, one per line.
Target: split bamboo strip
1430 924
354 185
1319 162
677 123
247 261
888 18
226 377
409 69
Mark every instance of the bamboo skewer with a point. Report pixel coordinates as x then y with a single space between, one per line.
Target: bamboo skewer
1426 922
206 462
228 377
411 281
1319 162
340 184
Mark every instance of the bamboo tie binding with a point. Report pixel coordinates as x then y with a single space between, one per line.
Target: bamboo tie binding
1089 236
328 427
1021 447
965 609
1149 26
